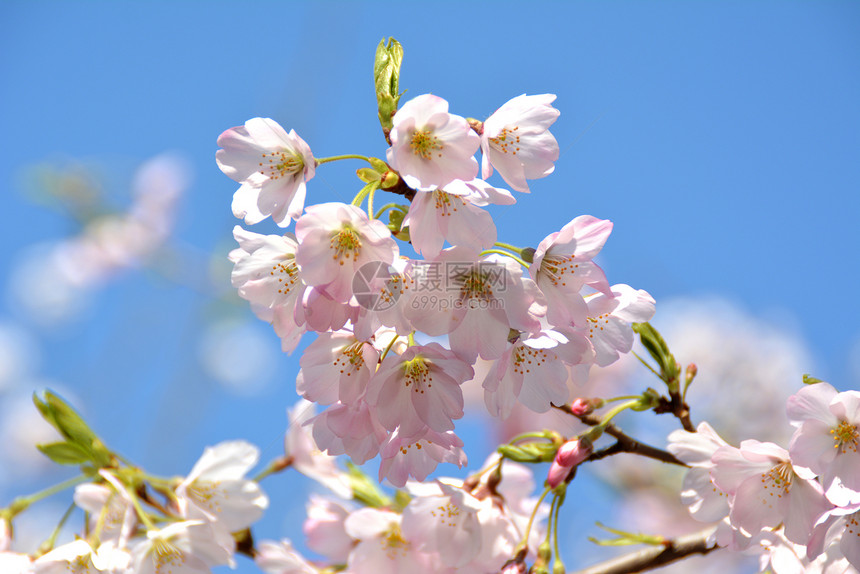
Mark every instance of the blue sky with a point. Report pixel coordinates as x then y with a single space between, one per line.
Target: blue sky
722 138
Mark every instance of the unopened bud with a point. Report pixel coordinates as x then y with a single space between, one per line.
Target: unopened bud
570 454
367 174
690 373
581 406
476 125
389 179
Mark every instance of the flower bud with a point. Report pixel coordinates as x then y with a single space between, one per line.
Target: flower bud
569 455
690 373
367 174
581 406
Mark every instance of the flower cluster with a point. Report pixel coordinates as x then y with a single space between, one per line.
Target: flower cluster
533 313
799 507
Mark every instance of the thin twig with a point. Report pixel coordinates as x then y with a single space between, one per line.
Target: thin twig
655 556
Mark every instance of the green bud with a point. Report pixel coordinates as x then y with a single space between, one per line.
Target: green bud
558 567
386 79
390 179
659 351
379 165
367 174
364 489
534 452
650 399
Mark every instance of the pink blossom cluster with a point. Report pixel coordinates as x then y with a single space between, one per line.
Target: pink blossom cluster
798 508
535 314
447 526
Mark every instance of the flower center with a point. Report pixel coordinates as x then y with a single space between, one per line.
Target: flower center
526 359
777 481
846 437
556 267
477 285
166 556
81 565
508 141
424 143
287 273
205 494
417 374
393 543
281 163
446 203
350 359
447 514
595 323
346 244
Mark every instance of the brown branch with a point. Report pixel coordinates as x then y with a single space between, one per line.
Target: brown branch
625 443
655 556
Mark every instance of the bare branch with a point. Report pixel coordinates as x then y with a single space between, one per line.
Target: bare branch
655 556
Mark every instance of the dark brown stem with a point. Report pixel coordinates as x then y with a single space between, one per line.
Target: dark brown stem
655 556
402 189
625 443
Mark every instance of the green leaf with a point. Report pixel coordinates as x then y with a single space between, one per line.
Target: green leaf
64 453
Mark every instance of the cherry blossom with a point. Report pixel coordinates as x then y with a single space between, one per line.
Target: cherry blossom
188 547
266 274
516 140
272 166
78 557
417 456
350 429
336 367
445 523
281 558
765 490
438 215
336 239
216 488
306 457
700 495
325 530
419 388
827 439
563 264
839 527
430 147
572 453
112 507
532 371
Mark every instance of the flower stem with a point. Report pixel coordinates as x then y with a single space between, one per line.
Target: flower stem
525 540
277 465
322 160
370 202
516 258
388 348
21 503
525 435
48 544
514 248
388 206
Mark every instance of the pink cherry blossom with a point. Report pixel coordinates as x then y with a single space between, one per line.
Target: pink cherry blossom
336 367
281 558
436 216
189 547
266 274
335 240
445 523
838 527
608 327
476 302
430 147
827 439
325 529
272 166
563 264
516 140
216 488
765 490
350 429
532 371
381 547
306 457
419 388
700 495
417 456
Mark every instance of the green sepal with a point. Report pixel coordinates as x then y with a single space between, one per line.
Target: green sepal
365 490
64 453
59 414
532 453
386 79
810 380
367 174
659 351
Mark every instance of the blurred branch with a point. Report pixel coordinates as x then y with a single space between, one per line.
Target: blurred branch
625 443
656 556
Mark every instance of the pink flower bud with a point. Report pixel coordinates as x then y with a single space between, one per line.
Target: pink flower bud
581 406
570 454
